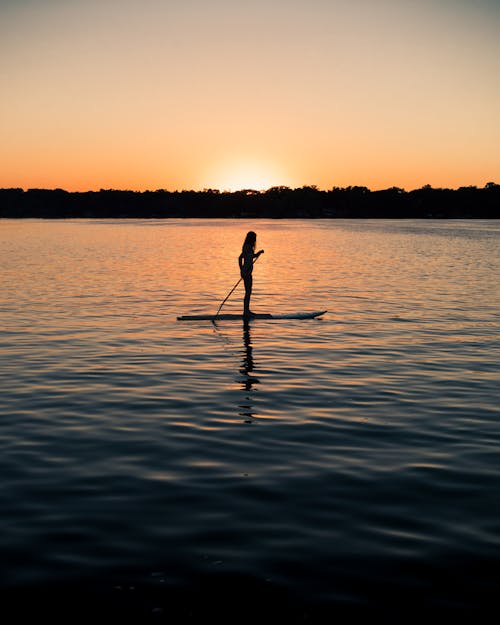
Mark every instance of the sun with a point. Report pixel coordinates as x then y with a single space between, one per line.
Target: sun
236 175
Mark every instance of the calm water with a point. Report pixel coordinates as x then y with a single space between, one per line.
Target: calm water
159 468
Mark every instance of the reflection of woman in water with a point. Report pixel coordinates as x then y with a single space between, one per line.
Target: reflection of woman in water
245 261
248 381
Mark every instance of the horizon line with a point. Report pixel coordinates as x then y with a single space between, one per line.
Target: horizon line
251 191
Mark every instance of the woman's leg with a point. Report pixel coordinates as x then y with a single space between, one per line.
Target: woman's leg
248 293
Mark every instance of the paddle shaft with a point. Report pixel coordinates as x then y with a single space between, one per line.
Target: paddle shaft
232 290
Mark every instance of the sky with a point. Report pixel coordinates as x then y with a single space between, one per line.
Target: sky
194 94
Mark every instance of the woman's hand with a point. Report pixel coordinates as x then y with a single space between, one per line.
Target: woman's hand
260 252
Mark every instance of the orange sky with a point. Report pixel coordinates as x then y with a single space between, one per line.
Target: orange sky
189 94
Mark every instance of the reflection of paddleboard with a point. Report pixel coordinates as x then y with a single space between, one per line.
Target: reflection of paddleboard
229 317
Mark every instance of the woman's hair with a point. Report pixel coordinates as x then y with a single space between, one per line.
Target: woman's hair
250 239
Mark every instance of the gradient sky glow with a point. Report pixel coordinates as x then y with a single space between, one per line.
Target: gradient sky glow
189 94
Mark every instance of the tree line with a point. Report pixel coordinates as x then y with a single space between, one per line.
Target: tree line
277 202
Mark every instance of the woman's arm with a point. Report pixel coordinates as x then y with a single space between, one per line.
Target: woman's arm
242 262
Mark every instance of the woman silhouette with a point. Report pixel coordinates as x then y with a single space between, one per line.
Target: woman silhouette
246 261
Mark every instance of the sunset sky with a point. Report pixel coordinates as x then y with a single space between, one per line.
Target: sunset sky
191 94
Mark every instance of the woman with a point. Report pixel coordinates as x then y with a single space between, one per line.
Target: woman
245 261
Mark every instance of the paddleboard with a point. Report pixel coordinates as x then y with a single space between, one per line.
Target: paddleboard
233 317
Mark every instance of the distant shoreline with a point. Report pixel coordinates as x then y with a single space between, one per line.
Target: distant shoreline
307 202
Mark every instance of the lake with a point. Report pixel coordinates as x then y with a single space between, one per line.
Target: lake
304 470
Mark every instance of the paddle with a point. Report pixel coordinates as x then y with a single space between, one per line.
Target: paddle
232 290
